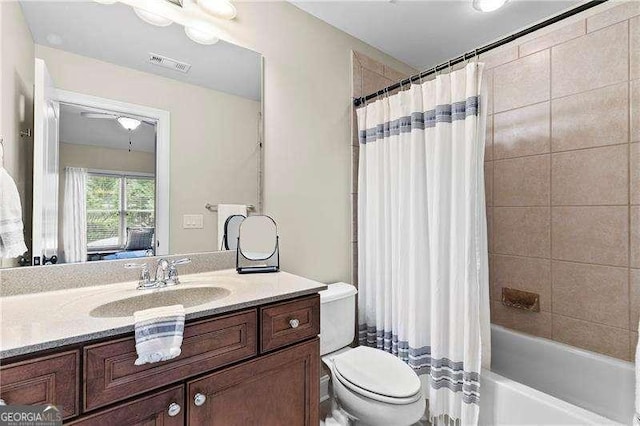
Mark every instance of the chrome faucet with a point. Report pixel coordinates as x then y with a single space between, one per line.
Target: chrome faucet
162 267
166 273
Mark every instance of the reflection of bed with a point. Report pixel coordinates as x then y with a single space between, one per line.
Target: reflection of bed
129 254
139 244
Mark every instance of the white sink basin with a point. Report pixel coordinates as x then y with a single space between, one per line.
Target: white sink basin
188 297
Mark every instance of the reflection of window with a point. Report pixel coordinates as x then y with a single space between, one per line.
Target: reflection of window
116 202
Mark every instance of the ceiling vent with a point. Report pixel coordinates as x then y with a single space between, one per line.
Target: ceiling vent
169 63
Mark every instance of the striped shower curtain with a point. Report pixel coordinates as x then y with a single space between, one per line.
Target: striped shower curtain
422 237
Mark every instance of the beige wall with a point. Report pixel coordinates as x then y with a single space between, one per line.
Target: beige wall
102 158
562 168
16 80
214 153
307 131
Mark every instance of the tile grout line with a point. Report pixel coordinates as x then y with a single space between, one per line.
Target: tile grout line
551 313
552 259
557 98
541 206
550 135
562 151
629 242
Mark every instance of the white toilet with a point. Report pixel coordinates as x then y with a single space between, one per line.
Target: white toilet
370 387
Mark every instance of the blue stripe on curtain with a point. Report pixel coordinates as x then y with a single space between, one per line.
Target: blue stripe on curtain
442 371
422 120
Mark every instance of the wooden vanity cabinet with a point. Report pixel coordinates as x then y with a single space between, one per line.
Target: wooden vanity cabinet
258 366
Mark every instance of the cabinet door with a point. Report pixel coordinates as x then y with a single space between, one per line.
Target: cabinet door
278 389
47 380
159 409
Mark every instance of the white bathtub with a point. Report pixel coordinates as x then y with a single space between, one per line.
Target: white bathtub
535 381
538 381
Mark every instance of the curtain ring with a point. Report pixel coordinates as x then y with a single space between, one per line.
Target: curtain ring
449 66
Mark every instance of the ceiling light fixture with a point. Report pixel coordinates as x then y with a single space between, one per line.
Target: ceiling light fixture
152 18
223 9
203 34
129 123
198 17
488 5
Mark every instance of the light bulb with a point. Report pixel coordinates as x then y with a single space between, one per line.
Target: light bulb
488 5
202 34
219 8
129 123
152 18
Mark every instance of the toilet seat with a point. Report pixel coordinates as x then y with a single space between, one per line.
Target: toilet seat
377 375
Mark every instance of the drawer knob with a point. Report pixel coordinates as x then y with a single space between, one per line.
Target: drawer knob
174 409
294 323
199 399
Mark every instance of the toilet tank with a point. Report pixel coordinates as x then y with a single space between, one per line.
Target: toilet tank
337 317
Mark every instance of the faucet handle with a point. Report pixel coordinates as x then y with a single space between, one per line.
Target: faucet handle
172 278
182 261
145 275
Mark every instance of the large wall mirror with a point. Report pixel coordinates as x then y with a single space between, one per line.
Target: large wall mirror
121 136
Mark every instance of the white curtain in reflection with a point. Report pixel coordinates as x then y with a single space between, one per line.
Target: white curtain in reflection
422 238
74 222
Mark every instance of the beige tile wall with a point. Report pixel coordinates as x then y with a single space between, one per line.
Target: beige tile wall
562 169
369 76
563 181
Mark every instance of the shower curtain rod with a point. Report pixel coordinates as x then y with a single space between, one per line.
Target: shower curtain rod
475 52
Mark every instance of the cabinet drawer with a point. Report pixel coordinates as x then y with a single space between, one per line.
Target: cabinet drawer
289 322
152 410
48 380
110 374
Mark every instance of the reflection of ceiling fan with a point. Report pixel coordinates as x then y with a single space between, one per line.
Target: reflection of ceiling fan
127 123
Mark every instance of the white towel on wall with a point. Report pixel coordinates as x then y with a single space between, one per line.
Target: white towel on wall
159 333
636 418
224 211
11 226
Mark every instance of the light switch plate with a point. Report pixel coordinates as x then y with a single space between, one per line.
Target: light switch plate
192 221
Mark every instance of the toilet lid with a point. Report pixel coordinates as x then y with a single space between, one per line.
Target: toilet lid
377 372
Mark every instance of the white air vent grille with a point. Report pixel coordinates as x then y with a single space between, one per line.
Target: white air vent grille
169 63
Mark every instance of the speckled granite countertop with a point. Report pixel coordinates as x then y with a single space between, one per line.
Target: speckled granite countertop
39 321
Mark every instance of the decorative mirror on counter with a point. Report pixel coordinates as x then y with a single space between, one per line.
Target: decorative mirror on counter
231 230
258 250
96 116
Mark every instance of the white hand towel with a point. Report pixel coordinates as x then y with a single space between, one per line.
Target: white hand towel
636 417
224 211
11 227
159 333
